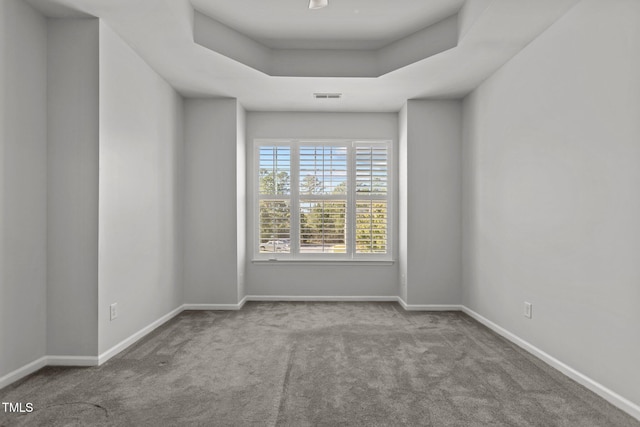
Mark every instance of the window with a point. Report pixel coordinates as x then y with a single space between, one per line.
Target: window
323 199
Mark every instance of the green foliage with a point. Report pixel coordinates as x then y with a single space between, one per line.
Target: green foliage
321 221
310 184
371 227
274 183
275 215
275 220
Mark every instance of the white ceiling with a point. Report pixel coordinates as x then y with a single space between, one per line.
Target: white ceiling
161 31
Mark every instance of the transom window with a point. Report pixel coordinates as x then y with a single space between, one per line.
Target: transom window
323 199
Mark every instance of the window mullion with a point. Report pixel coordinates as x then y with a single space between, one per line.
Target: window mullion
295 200
351 205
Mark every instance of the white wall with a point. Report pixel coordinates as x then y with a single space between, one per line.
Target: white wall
212 202
287 279
72 187
141 139
432 210
23 120
552 172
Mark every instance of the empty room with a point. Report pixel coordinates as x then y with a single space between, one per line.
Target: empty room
320 213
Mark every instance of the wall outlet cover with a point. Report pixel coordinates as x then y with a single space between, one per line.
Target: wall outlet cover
528 307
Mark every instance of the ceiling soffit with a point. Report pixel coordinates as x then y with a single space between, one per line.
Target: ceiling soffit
345 24
229 42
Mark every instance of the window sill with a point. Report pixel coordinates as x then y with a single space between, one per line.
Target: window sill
360 262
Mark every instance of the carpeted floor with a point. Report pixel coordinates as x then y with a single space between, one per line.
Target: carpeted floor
313 364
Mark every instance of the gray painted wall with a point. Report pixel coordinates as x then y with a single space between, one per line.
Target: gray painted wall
23 121
552 172
319 280
432 210
212 202
72 187
141 139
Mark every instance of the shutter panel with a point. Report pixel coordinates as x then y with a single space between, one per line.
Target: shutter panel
372 213
323 169
323 198
275 170
371 226
275 228
322 226
274 176
372 169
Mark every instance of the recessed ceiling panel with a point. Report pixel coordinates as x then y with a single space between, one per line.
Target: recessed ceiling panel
344 24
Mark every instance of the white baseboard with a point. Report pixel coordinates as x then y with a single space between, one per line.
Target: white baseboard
72 360
428 307
213 306
321 298
22 372
602 391
136 336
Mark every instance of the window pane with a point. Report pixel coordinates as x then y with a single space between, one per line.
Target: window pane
275 170
275 226
371 170
371 226
322 226
323 169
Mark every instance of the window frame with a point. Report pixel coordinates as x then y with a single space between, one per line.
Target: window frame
351 254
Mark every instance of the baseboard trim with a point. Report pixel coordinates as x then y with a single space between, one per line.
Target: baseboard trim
22 372
321 298
102 358
428 307
214 306
243 301
602 391
72 361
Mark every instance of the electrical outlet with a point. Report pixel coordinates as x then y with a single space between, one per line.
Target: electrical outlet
113 311
528 310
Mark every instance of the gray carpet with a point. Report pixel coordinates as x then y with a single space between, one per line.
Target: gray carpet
313 364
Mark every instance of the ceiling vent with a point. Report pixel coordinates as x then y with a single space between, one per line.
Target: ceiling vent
327 95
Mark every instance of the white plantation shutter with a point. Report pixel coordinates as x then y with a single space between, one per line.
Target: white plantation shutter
274 187
323 197
327 199
322 226
372 180
323 169
275 220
